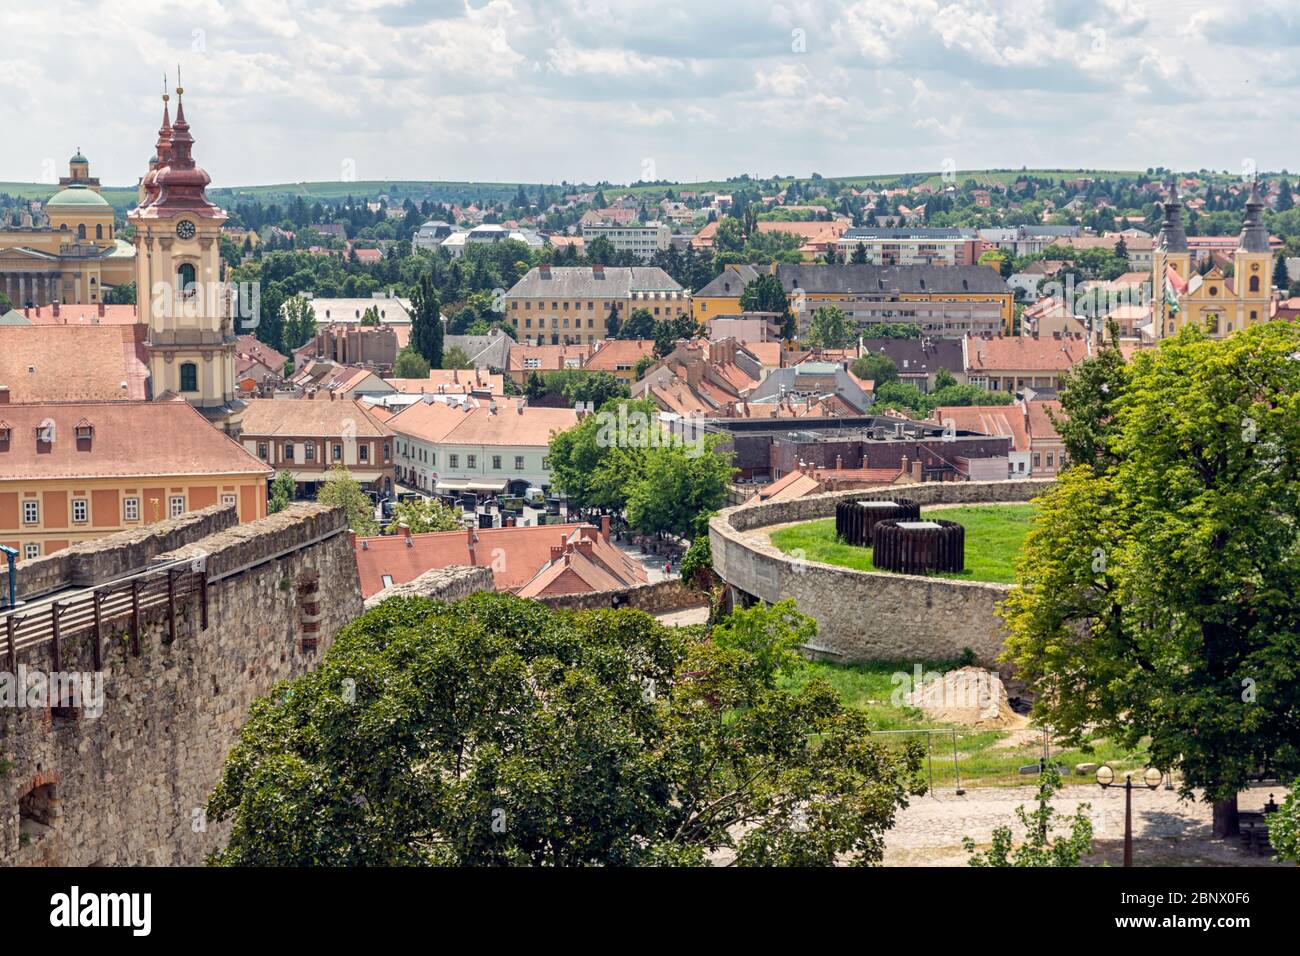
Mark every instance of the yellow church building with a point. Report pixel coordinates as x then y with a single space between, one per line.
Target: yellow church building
71 258
1217 302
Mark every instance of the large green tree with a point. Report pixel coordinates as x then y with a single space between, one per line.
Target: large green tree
494 731
1160 598
422 515
341 490
764 294
426 322
830 329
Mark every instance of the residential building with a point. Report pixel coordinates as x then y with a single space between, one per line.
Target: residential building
536 561
943 300
1009 363
919 360
257 362
526 359
640 239
911 247
74 471
309 436
619 357
556 305
1047 450
491 447
490 233
1001 421
350 343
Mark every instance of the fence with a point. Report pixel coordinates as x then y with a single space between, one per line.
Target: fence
59 618
957 758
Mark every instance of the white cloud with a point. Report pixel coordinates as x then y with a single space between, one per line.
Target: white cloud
284 90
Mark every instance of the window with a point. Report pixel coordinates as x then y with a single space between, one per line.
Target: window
1051 458
263 449
189 377
80 510
363 451
130 509
31 550
286 452
388 452
471 461
31 511
453 461
309 451
177 506
496 462
546 464
227 501
519 462
338 452
1037 460
1254 283
185 276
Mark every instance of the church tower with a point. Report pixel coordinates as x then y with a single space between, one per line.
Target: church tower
1252 265
1171 266
180 293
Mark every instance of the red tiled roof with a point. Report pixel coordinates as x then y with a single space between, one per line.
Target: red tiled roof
56 363
318 417
130 439
1002 421
1015 353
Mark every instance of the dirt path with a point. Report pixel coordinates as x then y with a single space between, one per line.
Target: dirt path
1166 831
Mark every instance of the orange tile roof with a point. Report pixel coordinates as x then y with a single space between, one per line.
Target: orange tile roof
1001 421
451 382
612 353
438 422
318 417
516 555
768 353
56 363
85 314
130 439
1040 425
1015 353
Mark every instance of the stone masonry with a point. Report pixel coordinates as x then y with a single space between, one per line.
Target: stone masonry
867 615
128 787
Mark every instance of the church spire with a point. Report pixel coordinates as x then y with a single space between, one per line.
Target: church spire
1172 238
1254 237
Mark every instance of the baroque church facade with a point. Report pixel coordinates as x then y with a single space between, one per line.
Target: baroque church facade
1217 302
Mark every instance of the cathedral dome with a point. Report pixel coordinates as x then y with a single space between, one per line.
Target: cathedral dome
77 195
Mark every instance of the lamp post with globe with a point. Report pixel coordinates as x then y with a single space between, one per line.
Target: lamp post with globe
1151 777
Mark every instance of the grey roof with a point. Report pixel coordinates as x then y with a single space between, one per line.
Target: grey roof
1173 237
919 356
818 379
485 351
853 279
578 281
1254 237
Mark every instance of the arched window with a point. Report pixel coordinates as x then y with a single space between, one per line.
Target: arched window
81 231
185 277
99 232
189 377
1254 283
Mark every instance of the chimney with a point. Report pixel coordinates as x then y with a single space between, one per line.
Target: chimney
598 270
544 270
101 310
406 532
604 527
905 469
4 394
470 538
839 462
916 469
55 307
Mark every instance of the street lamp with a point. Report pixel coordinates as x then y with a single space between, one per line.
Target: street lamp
1151 777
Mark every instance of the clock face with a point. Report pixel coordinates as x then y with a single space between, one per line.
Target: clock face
185 229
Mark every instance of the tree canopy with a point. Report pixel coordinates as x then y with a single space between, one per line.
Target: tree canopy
1158 593
494 731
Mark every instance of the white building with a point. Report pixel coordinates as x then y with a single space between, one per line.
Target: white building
490 447
641 239
489 233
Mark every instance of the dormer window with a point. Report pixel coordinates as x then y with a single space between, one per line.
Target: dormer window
84 430
5 433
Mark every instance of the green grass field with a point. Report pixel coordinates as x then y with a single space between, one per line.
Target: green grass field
984 758
994 536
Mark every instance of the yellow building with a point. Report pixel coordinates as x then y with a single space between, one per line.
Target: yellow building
75 256
946 301
1215 301
181 295
76 471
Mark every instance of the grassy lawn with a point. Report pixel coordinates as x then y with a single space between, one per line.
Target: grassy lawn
994 535
984 758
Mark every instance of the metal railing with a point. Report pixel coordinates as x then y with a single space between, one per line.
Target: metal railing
101 609
957 758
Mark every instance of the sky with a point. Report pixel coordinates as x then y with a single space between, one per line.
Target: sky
621 90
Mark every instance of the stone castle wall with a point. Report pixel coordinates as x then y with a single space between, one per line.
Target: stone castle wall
868 615
128 786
